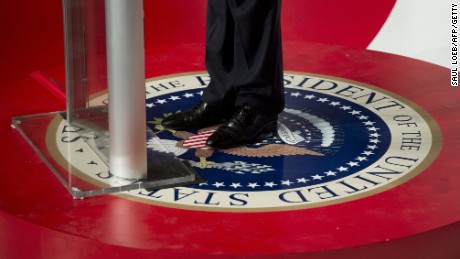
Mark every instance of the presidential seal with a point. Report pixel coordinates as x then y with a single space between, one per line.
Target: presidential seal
337 140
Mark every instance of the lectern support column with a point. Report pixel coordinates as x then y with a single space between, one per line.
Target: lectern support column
126 84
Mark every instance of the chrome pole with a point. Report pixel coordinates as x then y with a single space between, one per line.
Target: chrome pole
126 84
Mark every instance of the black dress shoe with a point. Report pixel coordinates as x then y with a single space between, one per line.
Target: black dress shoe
245 126
198 117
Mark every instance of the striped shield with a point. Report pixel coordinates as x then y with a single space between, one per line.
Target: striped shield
198 140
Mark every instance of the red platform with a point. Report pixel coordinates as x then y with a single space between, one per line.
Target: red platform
39 219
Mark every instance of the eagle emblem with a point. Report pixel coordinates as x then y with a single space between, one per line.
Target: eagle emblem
296 131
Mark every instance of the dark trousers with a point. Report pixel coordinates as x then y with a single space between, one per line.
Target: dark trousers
244 55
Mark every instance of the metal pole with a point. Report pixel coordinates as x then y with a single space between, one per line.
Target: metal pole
126 83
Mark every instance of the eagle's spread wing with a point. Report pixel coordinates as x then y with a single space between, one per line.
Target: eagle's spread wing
271 150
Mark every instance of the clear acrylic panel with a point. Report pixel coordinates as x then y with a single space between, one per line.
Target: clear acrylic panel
86 61
76 144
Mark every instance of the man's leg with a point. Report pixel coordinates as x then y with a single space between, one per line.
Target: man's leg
219 97
257 73
220 31
258 57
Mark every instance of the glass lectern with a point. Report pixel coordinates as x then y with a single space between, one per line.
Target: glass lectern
98 145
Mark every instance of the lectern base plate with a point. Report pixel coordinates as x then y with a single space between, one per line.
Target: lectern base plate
59 143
